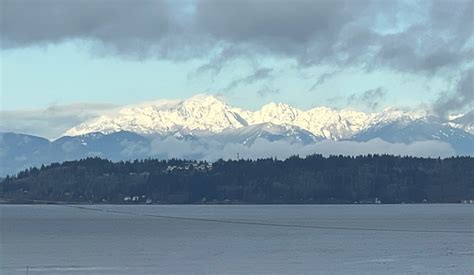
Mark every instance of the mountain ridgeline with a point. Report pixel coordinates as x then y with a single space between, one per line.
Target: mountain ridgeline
209 115
206 128
313 179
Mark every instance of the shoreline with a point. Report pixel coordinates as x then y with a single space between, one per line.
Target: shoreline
221 204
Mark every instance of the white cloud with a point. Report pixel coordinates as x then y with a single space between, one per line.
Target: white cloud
50 122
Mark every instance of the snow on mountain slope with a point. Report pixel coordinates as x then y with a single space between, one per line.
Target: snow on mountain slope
322 121
272 132
203 114
197 113
407 131
465 122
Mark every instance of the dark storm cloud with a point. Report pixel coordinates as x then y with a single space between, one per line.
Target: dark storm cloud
124 25
342 32
282 26
402 52
260 74
335 32
322 78
215 64
462 97
370 99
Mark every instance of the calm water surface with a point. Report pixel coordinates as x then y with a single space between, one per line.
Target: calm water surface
356 239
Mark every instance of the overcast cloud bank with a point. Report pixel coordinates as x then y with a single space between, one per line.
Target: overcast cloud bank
417 37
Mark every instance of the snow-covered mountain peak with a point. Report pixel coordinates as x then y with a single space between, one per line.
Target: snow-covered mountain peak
198 101
204 99
276 106
277 113
391 114
465 122
205 114
201 112
270 132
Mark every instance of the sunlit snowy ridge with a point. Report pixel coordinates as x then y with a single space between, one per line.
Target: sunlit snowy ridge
203 114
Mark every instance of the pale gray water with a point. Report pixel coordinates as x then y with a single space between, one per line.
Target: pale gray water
68 240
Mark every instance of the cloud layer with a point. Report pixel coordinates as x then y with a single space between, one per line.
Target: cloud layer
370 98
463 96
261 148
52 121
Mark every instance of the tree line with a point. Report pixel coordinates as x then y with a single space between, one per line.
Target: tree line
312 179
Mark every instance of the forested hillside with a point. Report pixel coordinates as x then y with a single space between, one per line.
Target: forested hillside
314 179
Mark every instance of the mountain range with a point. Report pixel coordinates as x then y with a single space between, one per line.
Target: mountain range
204 127
208 114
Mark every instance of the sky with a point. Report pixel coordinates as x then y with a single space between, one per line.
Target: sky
66 61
